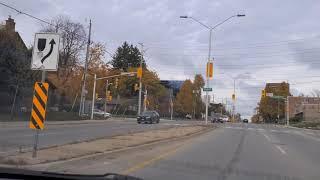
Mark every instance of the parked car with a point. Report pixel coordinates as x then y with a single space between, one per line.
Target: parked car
188 116
225 118
245 120
216 120
100 113
149 117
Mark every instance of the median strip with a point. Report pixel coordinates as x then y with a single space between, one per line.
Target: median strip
76 150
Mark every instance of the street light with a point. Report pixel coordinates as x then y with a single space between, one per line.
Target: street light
210 28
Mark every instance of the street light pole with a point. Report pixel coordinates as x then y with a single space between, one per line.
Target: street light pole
207 75
140 82
209 53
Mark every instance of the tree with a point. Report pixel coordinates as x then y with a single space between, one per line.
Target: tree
150 82
268 107
127 56
183 103
315 93
198 105
15 60
73 40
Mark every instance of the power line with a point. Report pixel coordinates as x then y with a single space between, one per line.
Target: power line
27 14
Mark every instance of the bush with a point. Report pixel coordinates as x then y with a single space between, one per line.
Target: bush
295 120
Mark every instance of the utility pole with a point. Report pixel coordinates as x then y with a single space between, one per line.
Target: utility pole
171 104
145 99
140 81
234 100
278 110
93 95
288 109
83 94
105 100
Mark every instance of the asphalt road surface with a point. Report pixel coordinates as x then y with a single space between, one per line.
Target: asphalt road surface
14 137
240 151
231 152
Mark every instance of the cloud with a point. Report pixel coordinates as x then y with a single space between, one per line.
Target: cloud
261 47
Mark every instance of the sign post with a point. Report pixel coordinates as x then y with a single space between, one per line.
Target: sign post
45 57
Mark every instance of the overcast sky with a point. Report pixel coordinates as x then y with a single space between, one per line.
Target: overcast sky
276 41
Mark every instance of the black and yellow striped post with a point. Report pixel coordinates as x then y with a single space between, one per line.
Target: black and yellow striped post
38 112
39 104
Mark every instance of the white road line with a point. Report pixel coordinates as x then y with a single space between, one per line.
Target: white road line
280 149
267 137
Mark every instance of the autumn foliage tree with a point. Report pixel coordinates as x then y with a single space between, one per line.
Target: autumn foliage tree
268 107
72 45
127 58
184 99
188 100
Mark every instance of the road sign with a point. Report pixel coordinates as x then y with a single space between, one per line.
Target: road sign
207 89
278 97
269 94
45 53
39 104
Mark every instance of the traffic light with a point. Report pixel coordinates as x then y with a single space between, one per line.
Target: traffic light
263 93
210 69
136 87
116 83
139 72
233 97
108 94
109 98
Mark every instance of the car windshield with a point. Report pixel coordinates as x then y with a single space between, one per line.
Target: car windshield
160 89
147 113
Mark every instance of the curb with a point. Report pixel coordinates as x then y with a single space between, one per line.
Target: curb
150 143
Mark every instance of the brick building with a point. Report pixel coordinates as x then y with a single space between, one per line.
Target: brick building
308 108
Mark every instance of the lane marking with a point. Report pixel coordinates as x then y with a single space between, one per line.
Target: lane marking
150 161
280 149
267 137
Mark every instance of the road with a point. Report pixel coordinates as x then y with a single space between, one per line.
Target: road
231 152
242 151
12 137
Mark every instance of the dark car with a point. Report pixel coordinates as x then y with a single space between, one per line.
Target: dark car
216 120
245 120
149 117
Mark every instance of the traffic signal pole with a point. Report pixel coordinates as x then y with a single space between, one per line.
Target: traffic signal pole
105 99
93 95
140 81
207 75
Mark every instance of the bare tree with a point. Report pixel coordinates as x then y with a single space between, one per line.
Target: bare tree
73 40
315 93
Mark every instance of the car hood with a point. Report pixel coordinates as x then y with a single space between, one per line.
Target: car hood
143 116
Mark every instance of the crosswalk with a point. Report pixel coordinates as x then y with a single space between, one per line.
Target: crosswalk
280 130
258 129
